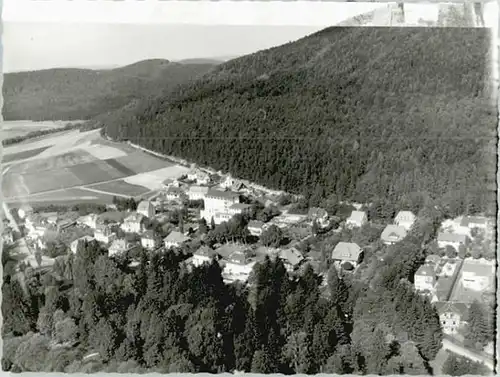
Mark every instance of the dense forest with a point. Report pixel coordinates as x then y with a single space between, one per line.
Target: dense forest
82 94
363 113
163 317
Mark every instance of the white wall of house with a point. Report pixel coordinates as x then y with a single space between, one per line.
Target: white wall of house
424 282
198 260
255 231
450 322
238 271
148 243
443 244
131 227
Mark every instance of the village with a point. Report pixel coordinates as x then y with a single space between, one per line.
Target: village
180 216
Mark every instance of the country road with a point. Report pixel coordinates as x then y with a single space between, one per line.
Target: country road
448 345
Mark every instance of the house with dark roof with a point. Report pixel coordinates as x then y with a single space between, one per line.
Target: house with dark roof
451 315
393 234
451 239
197 192
425 277
347 252
357 219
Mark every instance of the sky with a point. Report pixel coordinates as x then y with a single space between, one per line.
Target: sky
34 46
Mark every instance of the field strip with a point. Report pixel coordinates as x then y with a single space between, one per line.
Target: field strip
105 192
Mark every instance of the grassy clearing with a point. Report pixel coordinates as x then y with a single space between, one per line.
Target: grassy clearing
23 155
120 187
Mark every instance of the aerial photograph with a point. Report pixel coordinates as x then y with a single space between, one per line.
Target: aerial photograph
251 199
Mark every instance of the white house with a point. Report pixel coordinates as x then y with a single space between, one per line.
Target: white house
203 255
393 234
255 227
425 278
150 240
119 246
175 239
238 209
477 275
197 192
146 209
451 239
347 252
90 220
472 222
198 175
104 234
76 244
405 219
451 315
175 193
239 265
357 219
217 204
24 211
133 223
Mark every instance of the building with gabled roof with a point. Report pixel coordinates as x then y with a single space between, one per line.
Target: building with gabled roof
120 246
292 258
197 192
175 193
451 315
133 223
255 227
425 277
150 240
347 252
471 222
175 239
393 234
104 234
198 175
405 219
146 209
357 219
451 239
204 254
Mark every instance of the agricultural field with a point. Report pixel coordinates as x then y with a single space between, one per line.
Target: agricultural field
66 196
120 187
44 169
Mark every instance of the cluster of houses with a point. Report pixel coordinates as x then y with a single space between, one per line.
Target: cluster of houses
446 280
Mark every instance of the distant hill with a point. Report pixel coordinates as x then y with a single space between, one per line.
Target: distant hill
72 93
202 61
401 115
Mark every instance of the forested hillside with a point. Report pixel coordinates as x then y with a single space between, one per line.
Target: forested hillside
363 113
80 94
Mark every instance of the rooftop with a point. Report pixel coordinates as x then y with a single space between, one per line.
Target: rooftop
134 217
393 232
427 269
478 268
357 216
205 251
451 237
198 189
144 205
347 251
473 220
227 249
405 215
176 237
317 212
219 194
292 255
240 206
255 224
459 308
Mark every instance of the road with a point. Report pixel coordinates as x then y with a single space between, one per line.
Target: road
448 345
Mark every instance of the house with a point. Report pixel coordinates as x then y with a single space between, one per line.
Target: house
239 265
104 234
203 255
405 219
292 258
357 219
318 214
133 223
36 225
196 174
80 242
119 247
175 239
146 209
150 240
90 220
24 211
197 192
393 234
472 222
451 239
451 315
217 204
239 186
175 193
238 209
347 252
477 275
425 277
255 227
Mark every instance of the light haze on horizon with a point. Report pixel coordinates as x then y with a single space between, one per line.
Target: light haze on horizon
36 46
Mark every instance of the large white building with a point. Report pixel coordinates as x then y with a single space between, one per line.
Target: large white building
477 275
425 277
217 205
197 192
451 239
